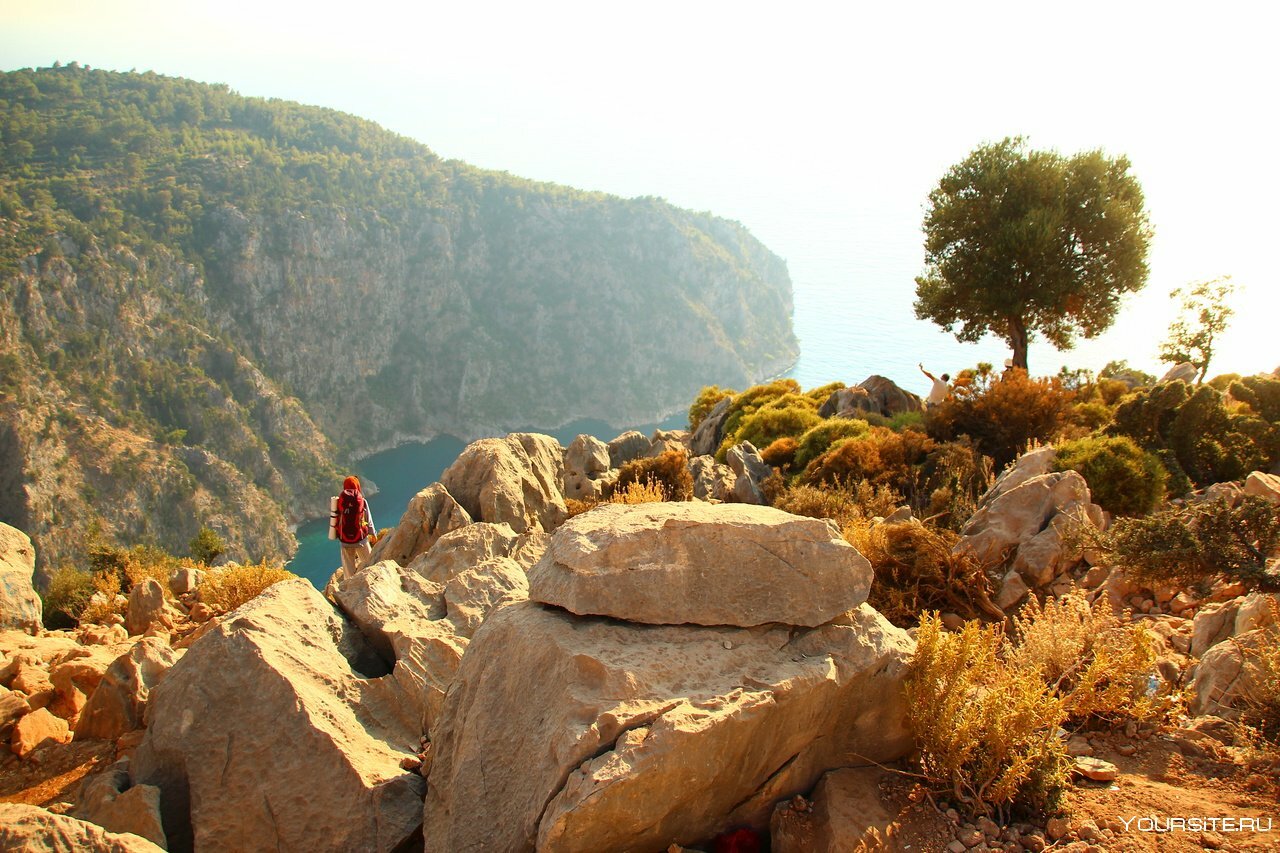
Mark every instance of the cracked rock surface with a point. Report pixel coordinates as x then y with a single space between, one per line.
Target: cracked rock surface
565 733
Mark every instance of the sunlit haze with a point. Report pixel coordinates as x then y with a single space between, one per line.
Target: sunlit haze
821 127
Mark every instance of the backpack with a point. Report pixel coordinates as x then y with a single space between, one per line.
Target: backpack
350 517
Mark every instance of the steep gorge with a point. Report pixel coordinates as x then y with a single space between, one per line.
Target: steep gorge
209 302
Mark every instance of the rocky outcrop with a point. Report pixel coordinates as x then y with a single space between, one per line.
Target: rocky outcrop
1182 372
463 548
586 460
712 480
875 394
628 447
707 437
431 514
1263 485
146 607
37 729
1027 523
749 471
20 607
651 734
676 563
118 703
113 802
513 480
1226 673
36 830
271 727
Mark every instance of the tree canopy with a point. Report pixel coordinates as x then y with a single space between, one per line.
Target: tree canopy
1019 242
1204 314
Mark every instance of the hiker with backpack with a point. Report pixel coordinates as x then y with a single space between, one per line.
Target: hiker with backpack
353 525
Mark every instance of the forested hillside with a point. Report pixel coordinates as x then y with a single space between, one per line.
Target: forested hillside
210 301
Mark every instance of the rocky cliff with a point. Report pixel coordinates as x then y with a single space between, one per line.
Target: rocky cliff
209 301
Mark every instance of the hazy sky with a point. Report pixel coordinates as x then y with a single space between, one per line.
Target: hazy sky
822 127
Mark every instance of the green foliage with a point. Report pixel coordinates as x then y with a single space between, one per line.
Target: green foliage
705 402
1194 433
907 420
781 453
1003 416
207 546
1019 242
65 599
1196 543
1123 478
1203 317
819 438
668 472
787 415
1261 394
1120 369
882 457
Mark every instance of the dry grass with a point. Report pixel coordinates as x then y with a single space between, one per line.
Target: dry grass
226 588
103 604
648 492
916 572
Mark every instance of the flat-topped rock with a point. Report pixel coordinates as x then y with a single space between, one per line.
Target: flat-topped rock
701 564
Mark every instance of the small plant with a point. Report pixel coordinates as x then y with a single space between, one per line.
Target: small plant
648 492
105 602
226 588
66 597
207 546
1123 478
670 470
1193 545
781 453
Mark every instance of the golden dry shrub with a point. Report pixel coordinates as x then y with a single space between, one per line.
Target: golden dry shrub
1002 415
648 492
670 471
227 587
577 507
145 562
882 457
780 453
103 603
1080 651
916 572
987 733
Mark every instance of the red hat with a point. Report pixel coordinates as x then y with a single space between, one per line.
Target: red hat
351 483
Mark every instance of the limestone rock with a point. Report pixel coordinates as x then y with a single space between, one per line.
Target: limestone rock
666 440
705 564
112 801
146 606
1257 610
33 680
431 514
628 447
646 735
20 606
1024 519
888 398
750 472
586 459
102 635
12 707
1012 590
515 480
711 479
1182 372
464 548
75 679
266 729
1213 624
186 580
847 403
1033 463
1225 673
472 595
845 812
1096 769
1263 485
37 729
118 703
36 830
706 439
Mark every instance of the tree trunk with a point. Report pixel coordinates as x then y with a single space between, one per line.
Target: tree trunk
1018 340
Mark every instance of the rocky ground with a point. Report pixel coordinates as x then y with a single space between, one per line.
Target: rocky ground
645 677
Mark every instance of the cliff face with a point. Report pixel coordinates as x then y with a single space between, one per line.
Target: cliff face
228 296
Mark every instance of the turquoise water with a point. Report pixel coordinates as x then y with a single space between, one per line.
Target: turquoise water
404 471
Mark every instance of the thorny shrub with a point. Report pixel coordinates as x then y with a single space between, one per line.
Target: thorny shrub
781 453
1123 478
1002 415
227 587
881 456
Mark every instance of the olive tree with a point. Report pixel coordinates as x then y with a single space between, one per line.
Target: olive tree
1019 242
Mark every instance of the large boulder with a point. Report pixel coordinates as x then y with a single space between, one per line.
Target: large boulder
749 471
146 607
78 676
35 730
20 606
888 398
628 447
463 548
112 801
36 830
712 480
1028 523
431 514
1227 673
513 480
271 731
118 703
1263 485
1181 372
706 439
644 735
704 564
586 461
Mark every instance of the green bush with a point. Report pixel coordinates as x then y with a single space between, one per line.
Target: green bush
1261 394
207 546
704 403
1193 544
907 420
1123 478
882 457
818 439
789 415
65 599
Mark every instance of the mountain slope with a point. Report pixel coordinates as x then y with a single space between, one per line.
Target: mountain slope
249 292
